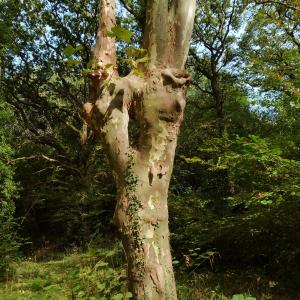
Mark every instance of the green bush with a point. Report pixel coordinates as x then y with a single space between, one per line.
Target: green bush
8 191
258 205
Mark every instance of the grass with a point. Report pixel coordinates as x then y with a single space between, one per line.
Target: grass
100 275
242 285
92 275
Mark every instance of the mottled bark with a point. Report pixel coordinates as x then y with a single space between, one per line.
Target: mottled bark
143 170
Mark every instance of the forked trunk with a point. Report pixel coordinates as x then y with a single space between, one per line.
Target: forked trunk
155 102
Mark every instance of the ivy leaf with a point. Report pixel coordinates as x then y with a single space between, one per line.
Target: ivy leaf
121 33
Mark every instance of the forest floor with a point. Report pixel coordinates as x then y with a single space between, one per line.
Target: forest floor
101 275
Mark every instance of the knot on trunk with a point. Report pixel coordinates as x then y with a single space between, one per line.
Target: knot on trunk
175 77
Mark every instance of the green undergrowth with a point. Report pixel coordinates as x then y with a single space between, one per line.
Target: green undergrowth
94 275
101 275
250 284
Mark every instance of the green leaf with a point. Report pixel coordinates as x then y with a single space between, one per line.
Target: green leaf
86 72
131 62
238 297
101 286
117 297
138 73
135 52
121 33
107 66
128 295
73 62
91 63
69 50
277 151
143 60
81 294
100 264
266 202
242 297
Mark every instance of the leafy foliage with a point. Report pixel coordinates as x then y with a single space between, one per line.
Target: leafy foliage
9 243
234 197
251 197
92 275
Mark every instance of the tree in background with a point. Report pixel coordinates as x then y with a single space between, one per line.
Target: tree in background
9 244
271 67
152 97
213 53
41 83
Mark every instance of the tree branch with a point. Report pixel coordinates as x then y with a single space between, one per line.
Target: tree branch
283 3
199 64
105 49
184 22
201 89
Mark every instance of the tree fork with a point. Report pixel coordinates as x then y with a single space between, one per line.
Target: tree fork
143 171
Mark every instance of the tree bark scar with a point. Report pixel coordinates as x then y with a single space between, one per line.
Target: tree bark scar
150 175
163 171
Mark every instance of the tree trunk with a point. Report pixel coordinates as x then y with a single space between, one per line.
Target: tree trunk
219 103
143 170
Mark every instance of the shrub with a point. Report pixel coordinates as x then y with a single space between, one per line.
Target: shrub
8 191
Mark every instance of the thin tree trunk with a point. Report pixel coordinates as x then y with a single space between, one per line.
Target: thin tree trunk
219 104
143 171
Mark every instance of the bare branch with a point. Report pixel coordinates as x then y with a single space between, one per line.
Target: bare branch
42 156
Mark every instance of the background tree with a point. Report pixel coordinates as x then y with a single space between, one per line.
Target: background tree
9 189
213 53
40 83
272 66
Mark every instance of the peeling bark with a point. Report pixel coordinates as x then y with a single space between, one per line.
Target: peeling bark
143 171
